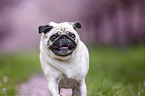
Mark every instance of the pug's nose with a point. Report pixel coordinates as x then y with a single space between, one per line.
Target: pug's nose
65 41
64 38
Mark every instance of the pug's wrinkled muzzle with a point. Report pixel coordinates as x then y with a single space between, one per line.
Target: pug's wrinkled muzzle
63 46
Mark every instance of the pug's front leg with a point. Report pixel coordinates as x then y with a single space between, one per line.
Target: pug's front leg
83 88
53 87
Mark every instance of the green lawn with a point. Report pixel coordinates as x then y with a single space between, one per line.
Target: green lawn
116 72
15 69
112 72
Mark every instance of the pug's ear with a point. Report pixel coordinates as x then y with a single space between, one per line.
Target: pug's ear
77 25
44 29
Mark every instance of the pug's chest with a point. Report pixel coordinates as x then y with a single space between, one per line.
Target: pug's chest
73 72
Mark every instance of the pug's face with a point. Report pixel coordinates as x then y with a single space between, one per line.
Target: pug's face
60 38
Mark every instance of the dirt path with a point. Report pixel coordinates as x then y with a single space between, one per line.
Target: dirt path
37 86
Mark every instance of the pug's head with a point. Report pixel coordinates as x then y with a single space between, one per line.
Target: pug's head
60 38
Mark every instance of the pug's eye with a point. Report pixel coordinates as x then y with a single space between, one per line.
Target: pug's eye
72 35
53 37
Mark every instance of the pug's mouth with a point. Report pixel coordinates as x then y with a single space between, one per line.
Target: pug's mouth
63 47
62 51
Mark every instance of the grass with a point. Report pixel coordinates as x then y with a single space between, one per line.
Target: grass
112 72
15 69
116 72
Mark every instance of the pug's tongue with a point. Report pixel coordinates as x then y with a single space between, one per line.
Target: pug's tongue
64 49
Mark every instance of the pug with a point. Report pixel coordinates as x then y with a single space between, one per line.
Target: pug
64 58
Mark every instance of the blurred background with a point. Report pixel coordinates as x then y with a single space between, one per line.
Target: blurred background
107 27
119 23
